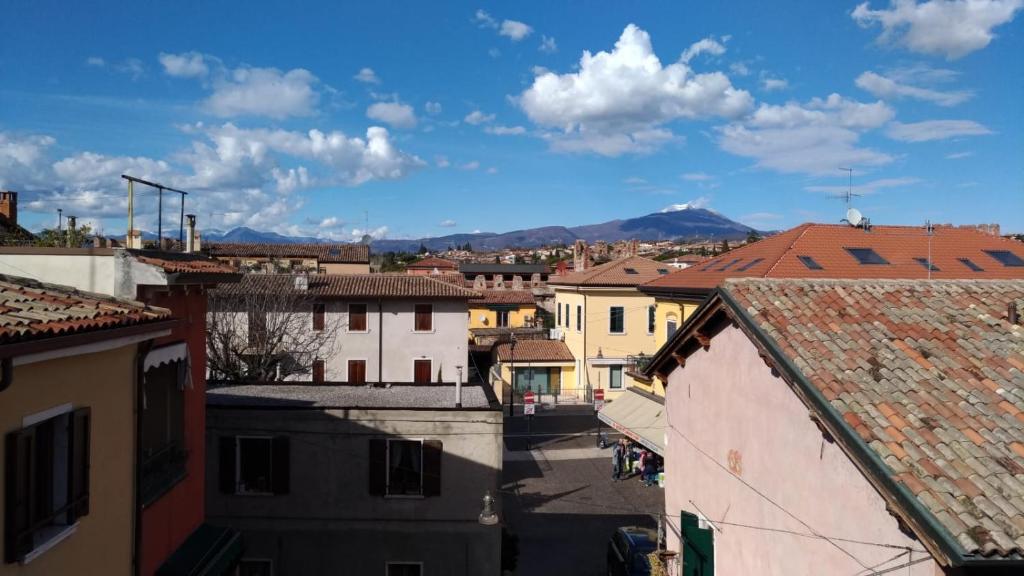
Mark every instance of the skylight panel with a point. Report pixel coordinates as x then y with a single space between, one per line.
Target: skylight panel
630 271
662 270
924 262
1005 257
970 264
811 263
710 266
749 265
867 256
729 265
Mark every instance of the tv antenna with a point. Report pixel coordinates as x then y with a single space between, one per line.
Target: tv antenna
849 194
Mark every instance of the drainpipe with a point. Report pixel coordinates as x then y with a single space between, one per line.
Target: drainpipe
380 342
586 368
458 387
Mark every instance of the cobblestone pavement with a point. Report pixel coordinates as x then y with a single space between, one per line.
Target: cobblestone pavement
558 496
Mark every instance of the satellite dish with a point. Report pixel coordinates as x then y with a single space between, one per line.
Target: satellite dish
854 217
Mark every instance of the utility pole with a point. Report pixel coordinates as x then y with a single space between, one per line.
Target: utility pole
60 219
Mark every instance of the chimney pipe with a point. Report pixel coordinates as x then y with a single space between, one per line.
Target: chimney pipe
69 238
458 387
1011 313
190 239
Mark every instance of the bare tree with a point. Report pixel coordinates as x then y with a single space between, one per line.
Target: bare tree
267 335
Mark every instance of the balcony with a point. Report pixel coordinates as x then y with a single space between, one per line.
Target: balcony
635 366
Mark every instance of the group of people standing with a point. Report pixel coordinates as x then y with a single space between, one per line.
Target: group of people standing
628 459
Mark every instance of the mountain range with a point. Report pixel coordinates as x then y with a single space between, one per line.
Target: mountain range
677 222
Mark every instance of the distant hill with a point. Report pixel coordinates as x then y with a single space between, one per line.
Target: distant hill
681 221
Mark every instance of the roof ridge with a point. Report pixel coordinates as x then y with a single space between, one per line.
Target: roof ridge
807 226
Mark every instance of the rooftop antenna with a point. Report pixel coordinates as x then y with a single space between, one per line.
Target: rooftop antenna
60 219
849 194
929 229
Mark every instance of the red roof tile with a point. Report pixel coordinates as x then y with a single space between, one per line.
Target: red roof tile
31 310
351 286
630 271
432 263
779 256
510 297
324 253
183 263
534 351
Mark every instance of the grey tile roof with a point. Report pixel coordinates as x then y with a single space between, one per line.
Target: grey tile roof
283 395
352 286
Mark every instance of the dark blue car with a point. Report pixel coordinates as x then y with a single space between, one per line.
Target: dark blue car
628 550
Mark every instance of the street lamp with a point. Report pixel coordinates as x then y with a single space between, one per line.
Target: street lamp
512 367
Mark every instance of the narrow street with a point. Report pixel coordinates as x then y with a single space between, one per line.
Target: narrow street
559 498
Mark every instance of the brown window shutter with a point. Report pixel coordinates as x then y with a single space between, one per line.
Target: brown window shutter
80 424
357 372
421 371
319 310
18 483
280 457
318 371
228 454
424 318
432 450
378 466
357 317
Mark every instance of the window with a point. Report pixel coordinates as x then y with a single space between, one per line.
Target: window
927 265
318 316
579 318
502 318
711 265
729 265
404 569
670 328
970 264
567 310
163 428
615 377
319 369
357 371
1005 257
421 368
810 263
357 318
257 465
47 490
651 314
867 256
559 311
424 318
405 467
255 567
257 328
749 265
617 320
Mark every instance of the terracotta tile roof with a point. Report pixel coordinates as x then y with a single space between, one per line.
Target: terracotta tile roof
352 286
430 263
183 263
779 256
534 351
324 253
510 297
929 375
631 271
451 278
32 310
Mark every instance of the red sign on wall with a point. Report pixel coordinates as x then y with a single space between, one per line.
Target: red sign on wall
528 397
599 394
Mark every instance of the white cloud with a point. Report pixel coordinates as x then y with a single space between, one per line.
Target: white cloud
485 20
448 223
432 108
697 177
442 161
494 52
888 88
705 46
23 160
959 155
492 170
184 65
867 188
547 45
394 113
505 130
935 130
469 166
330 222
264 92
953 28
514 30
618 101
477 117
813 138
634 181
95 61
374 233
739 69
367 76
772 84
701 202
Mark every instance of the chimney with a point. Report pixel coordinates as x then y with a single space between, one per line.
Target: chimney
535 279
190 238
69 238
580 252
302 282
1011 313
498 282
134 240
9 206
517 282
480 282
197 241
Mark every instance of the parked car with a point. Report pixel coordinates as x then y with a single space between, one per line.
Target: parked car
628 549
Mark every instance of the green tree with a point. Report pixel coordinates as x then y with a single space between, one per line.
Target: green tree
52 238
725 246
753 236
423 249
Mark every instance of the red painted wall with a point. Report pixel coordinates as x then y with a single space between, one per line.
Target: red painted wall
168 521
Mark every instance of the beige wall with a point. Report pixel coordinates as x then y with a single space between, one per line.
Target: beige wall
104 382
483 317
346 268
727 403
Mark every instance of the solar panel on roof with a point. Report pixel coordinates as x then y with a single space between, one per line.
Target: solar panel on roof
970 264
630 270
924 262
866 256
1005 257
729 265
749 265
662 270
711 265
811 263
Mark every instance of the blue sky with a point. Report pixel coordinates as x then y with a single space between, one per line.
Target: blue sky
414 119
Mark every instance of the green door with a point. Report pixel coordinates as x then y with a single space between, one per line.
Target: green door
535 379
698 547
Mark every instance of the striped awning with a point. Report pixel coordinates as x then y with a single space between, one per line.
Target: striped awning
640 416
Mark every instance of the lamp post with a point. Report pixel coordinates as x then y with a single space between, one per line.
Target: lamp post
512 367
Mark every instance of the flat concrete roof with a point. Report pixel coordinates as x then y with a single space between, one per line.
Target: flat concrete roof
340 395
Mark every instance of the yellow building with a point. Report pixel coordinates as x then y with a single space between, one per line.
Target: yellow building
503 309
607 323
67 411
541 366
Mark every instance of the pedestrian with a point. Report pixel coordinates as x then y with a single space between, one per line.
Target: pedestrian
617 453
650 469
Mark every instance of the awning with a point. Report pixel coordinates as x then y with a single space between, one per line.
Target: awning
638 415
209 551
165 355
